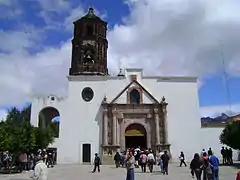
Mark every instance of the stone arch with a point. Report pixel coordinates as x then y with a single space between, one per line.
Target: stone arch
49 116
135 135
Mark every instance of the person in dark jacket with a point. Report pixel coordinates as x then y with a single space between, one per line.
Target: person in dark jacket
196 166
182 159
97 163
117 159
165 160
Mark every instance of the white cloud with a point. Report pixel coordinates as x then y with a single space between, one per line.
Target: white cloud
10 9
3 114
178 37
13 41
214 111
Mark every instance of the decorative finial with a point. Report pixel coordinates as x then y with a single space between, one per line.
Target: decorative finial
90 11
105 99
163 100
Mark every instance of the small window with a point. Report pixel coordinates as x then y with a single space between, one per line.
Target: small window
52 98
89 30
134 97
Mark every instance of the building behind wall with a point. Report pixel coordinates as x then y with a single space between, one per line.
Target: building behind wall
105 114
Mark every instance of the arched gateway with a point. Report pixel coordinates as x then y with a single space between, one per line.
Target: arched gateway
132 125
135 136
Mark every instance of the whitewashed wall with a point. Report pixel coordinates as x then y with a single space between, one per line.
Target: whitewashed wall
81 121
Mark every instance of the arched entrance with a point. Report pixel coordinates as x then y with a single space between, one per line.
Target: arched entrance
135 135
49 116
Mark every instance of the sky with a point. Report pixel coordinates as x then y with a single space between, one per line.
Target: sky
168 38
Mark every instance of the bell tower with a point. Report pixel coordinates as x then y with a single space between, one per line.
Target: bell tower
89 46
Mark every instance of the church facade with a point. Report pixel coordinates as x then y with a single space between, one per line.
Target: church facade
104 114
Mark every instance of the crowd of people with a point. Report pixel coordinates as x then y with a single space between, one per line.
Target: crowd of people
204 165
26 161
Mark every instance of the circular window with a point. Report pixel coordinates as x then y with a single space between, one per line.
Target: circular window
87 94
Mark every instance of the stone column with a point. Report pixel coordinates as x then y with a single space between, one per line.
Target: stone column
105 128
118 132
164 116
114 129
149 138
122 133
157 126
165 124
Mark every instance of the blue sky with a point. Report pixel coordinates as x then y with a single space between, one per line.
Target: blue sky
180 37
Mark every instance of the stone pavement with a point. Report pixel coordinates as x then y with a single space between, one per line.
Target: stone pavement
83 172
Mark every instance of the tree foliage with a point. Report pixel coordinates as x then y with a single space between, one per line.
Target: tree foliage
231 135
18 135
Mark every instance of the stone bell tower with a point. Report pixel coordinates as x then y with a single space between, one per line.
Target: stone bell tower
89 46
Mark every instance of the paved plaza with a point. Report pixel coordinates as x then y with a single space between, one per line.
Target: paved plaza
83 172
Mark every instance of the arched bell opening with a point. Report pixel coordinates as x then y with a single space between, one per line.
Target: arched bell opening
49 116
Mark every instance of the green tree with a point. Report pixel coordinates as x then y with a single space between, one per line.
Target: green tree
17 134
230 136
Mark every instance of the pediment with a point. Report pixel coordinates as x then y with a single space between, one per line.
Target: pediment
135 85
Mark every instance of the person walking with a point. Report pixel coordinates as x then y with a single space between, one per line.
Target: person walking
182 159
160 162
117 159
130 163
143 161
215 165
196 166
207 170
165 160
40 170
97 163
204 172
151 161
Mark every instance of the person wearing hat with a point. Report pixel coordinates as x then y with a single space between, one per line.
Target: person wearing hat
40 170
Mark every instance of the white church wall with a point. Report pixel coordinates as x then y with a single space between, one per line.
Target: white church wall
183 118
114 87
210 138
39 104
84 120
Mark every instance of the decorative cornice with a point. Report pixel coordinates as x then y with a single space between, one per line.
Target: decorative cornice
174 79
87 78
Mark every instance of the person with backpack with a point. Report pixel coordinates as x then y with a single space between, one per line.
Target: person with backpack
97 163
208 173
143 161
213 160
150 161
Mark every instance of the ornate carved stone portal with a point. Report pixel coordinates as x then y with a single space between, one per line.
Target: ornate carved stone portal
118 117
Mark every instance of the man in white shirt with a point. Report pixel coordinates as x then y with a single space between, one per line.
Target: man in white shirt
151 161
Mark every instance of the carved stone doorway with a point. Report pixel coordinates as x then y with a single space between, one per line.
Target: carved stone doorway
135 136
